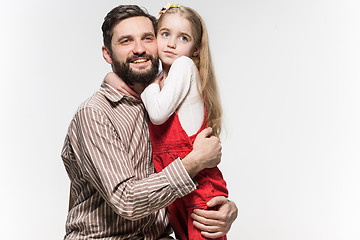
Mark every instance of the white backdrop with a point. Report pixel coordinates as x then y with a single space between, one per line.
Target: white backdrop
289 76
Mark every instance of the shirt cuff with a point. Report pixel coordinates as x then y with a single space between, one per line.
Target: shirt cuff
179 178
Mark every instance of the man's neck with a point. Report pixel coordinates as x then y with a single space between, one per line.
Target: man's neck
139 87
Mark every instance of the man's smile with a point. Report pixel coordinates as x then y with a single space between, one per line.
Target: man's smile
139 60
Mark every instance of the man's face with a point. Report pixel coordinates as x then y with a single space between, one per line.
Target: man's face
134 50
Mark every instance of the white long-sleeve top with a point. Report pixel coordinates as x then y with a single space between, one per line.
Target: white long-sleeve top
178 93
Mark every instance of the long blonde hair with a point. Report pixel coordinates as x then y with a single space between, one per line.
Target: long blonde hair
208 86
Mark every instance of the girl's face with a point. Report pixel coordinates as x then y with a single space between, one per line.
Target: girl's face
175 39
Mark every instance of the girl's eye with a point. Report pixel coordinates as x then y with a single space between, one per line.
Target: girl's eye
184 38
165 34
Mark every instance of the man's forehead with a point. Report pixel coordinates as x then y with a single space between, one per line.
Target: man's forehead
134 26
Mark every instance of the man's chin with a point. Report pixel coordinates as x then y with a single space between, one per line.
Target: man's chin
138 76
141 70
133 73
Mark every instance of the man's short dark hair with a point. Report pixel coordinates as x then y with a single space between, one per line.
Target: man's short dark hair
118 14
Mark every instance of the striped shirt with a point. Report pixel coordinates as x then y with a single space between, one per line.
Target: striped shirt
107 155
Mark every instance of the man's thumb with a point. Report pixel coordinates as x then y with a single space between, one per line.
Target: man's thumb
206 132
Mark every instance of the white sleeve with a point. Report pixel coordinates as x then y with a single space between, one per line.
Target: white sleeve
162 104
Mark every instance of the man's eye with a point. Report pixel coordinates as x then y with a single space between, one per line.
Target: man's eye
124 41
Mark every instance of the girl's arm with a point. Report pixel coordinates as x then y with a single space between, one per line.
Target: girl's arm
116 82
161 104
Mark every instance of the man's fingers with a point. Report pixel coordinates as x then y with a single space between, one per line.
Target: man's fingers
205 228
210 231
206 215
206 132
200 217
218 200
212 235
215 223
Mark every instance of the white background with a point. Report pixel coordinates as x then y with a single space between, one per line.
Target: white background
289 76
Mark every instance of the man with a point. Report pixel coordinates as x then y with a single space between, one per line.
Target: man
107 151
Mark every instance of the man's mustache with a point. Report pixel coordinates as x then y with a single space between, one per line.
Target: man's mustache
136 56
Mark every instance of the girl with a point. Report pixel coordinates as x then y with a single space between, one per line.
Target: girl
182 104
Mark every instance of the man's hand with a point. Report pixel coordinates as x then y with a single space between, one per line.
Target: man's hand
116 82
206 153
215 223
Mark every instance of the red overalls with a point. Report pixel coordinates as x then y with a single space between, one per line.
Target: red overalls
170 141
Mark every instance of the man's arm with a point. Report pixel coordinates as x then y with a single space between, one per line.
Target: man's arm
212 223
206 153
106 165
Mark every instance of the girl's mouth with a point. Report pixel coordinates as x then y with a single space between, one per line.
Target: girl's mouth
169 53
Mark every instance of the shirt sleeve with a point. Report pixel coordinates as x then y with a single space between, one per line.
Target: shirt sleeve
161 104
105 163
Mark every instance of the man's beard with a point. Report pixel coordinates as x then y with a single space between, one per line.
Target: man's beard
123 70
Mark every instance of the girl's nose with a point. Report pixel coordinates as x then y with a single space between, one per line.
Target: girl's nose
171 43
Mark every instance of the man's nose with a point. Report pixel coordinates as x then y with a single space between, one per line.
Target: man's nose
138 47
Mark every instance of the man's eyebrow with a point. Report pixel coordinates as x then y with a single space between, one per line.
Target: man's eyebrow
149 34
123 37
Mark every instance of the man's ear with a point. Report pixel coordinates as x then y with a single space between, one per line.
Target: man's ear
106 54
196 52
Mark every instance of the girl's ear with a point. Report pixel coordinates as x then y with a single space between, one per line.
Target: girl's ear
196 52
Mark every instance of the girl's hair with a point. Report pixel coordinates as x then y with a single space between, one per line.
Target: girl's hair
208 86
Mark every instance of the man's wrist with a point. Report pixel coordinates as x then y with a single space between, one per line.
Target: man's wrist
179 179
191 165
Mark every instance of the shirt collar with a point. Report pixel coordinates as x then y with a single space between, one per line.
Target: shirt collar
111 93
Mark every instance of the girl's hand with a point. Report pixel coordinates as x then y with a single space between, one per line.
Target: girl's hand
156 80
215 223
116 82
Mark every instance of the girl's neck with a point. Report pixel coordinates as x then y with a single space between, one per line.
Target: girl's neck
166 69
